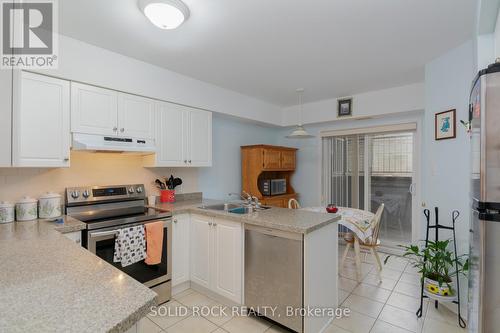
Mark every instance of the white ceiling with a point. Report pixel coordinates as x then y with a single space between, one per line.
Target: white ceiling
268 48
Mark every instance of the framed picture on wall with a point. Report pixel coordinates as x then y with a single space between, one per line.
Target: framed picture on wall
446 125
344 108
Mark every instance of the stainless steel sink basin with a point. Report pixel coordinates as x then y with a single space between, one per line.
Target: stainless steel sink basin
234 208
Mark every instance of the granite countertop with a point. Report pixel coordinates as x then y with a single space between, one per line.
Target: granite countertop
293 220
50 284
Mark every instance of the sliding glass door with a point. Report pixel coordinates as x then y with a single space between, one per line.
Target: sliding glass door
365 170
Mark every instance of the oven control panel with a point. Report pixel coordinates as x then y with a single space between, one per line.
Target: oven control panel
81 195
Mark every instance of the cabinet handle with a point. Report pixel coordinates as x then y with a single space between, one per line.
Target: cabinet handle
115 129
189 161
66 159
175 220
122 129
215 224
210 223
185 161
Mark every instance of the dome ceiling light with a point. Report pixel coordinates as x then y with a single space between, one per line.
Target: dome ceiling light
165 14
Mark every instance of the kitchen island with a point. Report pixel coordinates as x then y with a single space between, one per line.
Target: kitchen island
260 258
50 284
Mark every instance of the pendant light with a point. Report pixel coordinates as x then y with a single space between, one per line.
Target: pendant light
299 132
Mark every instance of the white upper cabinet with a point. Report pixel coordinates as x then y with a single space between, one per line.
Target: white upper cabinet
183 137
200 138
170 138
94 110
102 111
135 116
5 117
41 121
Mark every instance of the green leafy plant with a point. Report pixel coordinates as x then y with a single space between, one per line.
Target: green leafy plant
435 261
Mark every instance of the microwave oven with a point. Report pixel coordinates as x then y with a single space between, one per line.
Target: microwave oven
273 186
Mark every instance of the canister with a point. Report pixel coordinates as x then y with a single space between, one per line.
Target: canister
6 212
27 209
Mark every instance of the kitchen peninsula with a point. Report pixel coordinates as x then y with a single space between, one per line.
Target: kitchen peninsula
262 258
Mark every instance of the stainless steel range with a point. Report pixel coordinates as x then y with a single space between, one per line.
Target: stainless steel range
105 210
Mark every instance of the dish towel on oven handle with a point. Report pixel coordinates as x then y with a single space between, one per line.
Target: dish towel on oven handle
130 245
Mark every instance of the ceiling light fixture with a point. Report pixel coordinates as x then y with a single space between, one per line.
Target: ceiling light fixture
165 14
299 132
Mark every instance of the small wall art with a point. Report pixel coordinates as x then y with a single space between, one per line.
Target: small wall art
446 125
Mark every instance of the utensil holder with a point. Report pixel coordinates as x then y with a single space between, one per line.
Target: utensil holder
167 195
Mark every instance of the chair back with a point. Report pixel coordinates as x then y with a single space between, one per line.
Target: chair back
293 204
376 226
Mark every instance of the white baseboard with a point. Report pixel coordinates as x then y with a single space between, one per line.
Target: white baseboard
177 289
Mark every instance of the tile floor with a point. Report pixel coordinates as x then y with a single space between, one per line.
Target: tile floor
387 307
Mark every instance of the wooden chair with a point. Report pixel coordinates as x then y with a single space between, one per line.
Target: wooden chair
293 204
371 245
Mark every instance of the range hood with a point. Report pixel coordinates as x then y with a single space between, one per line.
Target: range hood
108 143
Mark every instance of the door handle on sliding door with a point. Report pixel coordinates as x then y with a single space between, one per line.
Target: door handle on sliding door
412 189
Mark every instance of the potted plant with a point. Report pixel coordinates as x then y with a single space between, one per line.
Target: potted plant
437 265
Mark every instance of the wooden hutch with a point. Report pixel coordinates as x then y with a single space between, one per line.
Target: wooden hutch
259 162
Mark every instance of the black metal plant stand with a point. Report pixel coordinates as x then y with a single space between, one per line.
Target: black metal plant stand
455 214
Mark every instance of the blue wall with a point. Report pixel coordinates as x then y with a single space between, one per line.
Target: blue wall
228 135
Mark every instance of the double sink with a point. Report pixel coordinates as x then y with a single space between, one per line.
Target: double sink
234 208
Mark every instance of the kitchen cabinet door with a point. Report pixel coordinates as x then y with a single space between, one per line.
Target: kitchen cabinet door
6 117
200 138
228 259
94 110
135 116
201 249
170 135
180 249
271 159
41 121
288 160
276 202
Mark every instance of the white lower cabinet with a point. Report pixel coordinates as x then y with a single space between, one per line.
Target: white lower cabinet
180 249
228 259
201 249
75 236
217 256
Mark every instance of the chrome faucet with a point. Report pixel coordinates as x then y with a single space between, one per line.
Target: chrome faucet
244 196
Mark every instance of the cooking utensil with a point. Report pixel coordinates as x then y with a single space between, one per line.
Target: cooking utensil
160 184
171 182
177 182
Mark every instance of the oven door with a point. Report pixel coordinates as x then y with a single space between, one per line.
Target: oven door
101 242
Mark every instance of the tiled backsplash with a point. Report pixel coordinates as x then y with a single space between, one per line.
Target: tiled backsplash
90 169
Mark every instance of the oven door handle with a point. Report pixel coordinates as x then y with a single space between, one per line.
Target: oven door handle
103 233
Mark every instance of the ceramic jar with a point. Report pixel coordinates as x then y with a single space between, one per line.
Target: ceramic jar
27 209
49 205
6 212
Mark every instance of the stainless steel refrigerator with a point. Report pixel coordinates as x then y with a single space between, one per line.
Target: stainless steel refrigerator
484 274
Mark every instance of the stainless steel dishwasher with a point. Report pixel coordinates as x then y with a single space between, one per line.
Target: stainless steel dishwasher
274 273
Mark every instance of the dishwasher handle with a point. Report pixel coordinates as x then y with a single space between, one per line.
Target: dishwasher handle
274 232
